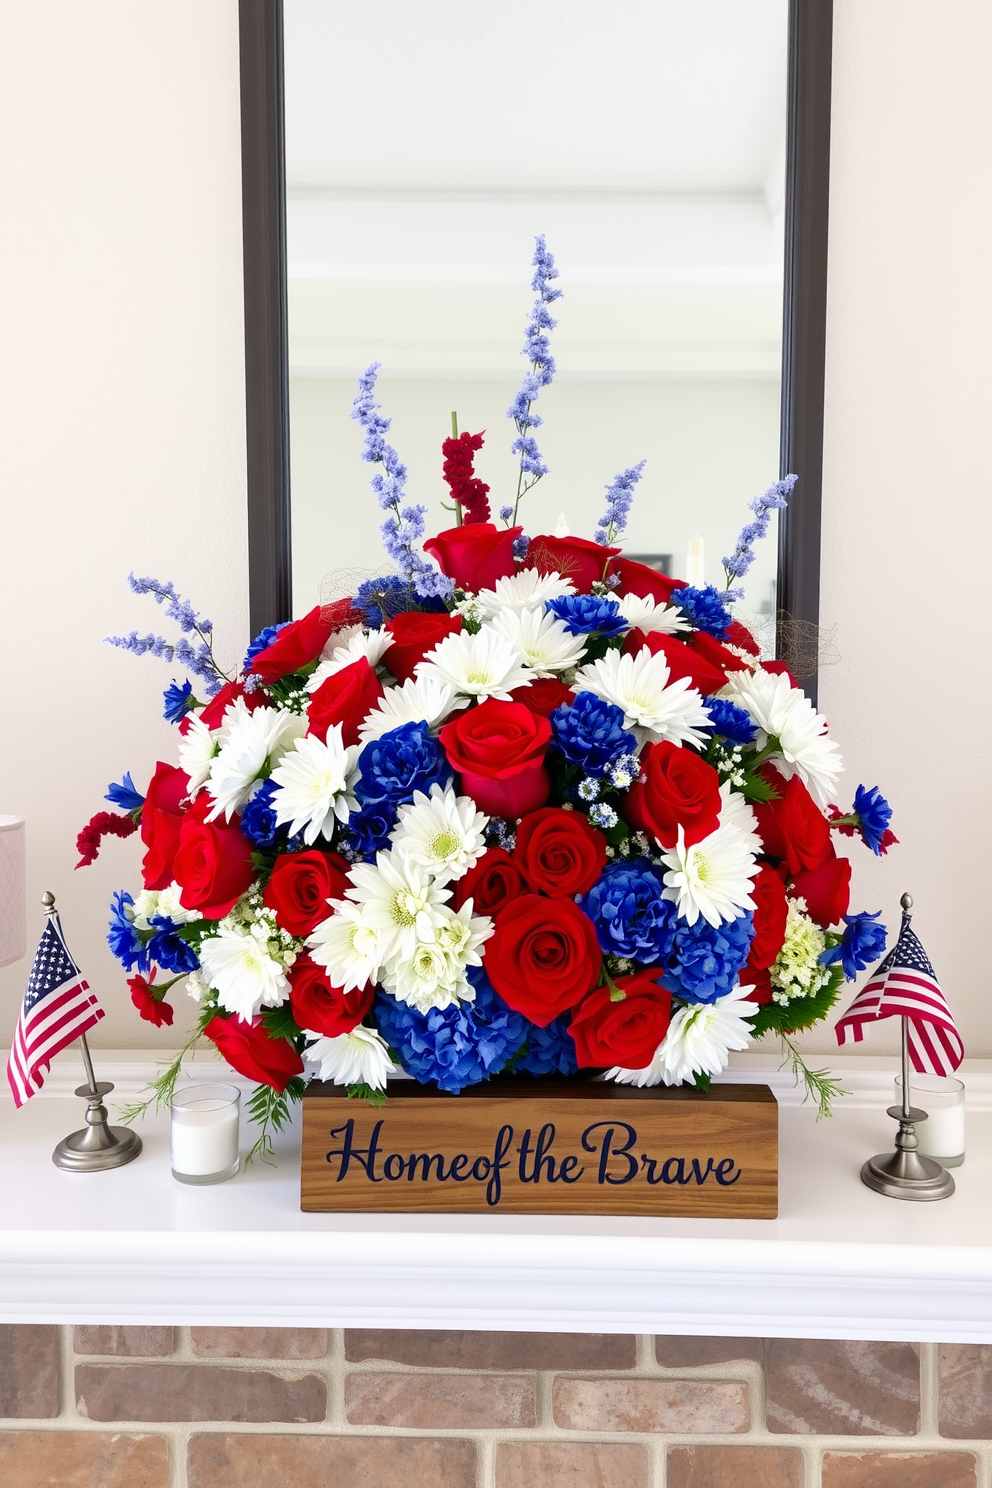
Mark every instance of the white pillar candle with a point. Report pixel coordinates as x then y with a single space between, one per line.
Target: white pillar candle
205 1133
941 1136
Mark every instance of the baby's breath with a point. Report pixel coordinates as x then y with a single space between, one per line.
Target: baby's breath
797 971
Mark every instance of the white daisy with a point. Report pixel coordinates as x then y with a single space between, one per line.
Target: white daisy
480 666
545 643
419 700
315 785
346 947
356 1058
399 901
256 742
711 878
526 590
370 644
784 712
737 812
654 707
145 906
442 832
641 612
170 905
698 1041
198 748
237 964
461 933
435 975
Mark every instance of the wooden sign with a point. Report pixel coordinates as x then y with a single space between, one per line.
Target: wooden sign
516 1146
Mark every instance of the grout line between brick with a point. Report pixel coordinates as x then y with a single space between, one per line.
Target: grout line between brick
929 1389
485 1462
334 1365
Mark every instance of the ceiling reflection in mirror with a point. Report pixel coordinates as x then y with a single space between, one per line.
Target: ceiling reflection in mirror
426 146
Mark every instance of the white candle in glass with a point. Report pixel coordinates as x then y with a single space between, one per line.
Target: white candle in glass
695 563
941 1136
205 1133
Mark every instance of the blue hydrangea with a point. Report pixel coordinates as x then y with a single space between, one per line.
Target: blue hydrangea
631 916
124 941
124 795
588 614
169 949
261 643
730 721
178 701
258 819
458 1046
590 733
707 958
863 943
874 815
368 830
550 1051
404 760
706 609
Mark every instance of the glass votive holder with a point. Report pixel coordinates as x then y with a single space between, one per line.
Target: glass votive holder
205 1131
941 1136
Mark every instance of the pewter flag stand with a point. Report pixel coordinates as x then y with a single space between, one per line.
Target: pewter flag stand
904 1174
96 1145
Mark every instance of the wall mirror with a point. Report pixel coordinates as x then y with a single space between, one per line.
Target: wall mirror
399 160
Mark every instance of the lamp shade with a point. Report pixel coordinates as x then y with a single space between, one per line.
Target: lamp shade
13 920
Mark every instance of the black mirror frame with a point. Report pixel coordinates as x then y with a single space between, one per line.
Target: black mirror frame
263 180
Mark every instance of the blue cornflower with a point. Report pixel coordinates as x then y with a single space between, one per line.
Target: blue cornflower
874 815
590 733
125 795
369 830
381 598
457 1046
169 949
707 958
122 938
729 721
588 614
863 943
619 500
261 643
179 700
258 819
706 609
404 760
550 1051
774 499
631 916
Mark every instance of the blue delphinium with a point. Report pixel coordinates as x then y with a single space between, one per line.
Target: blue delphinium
179 700
197 659
706 609
707 958
456 1046
874 815
258 819
540 373
619 499
588 614
774 499
404 760
368 830
124 942
590 733
729 721
261 643
863 943
631 917
169 949
123 794
550 1051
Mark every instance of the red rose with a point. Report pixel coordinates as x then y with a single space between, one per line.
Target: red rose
779 669
161 820
341 613
682 660
498 749
543 957
475 556
626 1031
346 697
413 636
544 695
213 865
674 788
827 891
793 828
771 909
153 1009
560 854
320 1008
575 558
248 1049
296 645
491 884
645 582
213 714
739 635
300 887
718 656
757 984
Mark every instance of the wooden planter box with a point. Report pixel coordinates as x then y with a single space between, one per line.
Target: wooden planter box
523 1146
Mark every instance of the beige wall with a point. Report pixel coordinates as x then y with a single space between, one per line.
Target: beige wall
123 438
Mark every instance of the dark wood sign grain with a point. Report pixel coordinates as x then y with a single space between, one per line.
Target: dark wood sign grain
520 1146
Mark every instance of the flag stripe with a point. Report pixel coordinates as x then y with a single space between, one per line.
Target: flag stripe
904 985
57 1008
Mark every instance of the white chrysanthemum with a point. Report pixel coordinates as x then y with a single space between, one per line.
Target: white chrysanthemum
419 700
315 784
356 1058
442 832
435 975
643 613
654 706
737 812
170 905
257 741
480 666
369 644
346 947
237 964
399 901
144 907
698 1041
198 748
236 712
545 642
339 638
784 712
526 590
711 878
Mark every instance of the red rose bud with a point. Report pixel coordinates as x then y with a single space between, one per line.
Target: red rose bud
793 828
248 1049
739 635
213 866
161 820
213 714
711 651
779 669
475 556
150 1006
300 886
771 909
295 646
493 883
826 890
347 697
320 1008
675 788
757 984
626 1031
544 696
498 749
413 636
682 660
645 582
559 853
576 558
543 957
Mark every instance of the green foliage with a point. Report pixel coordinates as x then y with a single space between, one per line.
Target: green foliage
820 1086
280 1023
163 1087
701 1080
269 1110
801 1012
361 1091
756 788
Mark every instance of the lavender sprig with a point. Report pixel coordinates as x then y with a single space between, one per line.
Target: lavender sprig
542 369
404 525
619 500
776 498
198 659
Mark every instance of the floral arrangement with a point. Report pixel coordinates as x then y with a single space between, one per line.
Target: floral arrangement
519 805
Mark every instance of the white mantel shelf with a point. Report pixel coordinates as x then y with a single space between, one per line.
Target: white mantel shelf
134 1246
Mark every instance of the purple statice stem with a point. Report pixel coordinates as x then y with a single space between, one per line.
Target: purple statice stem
619 499
776 498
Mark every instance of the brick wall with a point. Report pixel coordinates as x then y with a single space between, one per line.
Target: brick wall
112 1407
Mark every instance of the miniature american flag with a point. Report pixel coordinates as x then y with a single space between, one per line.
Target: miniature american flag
905 985
58 1007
